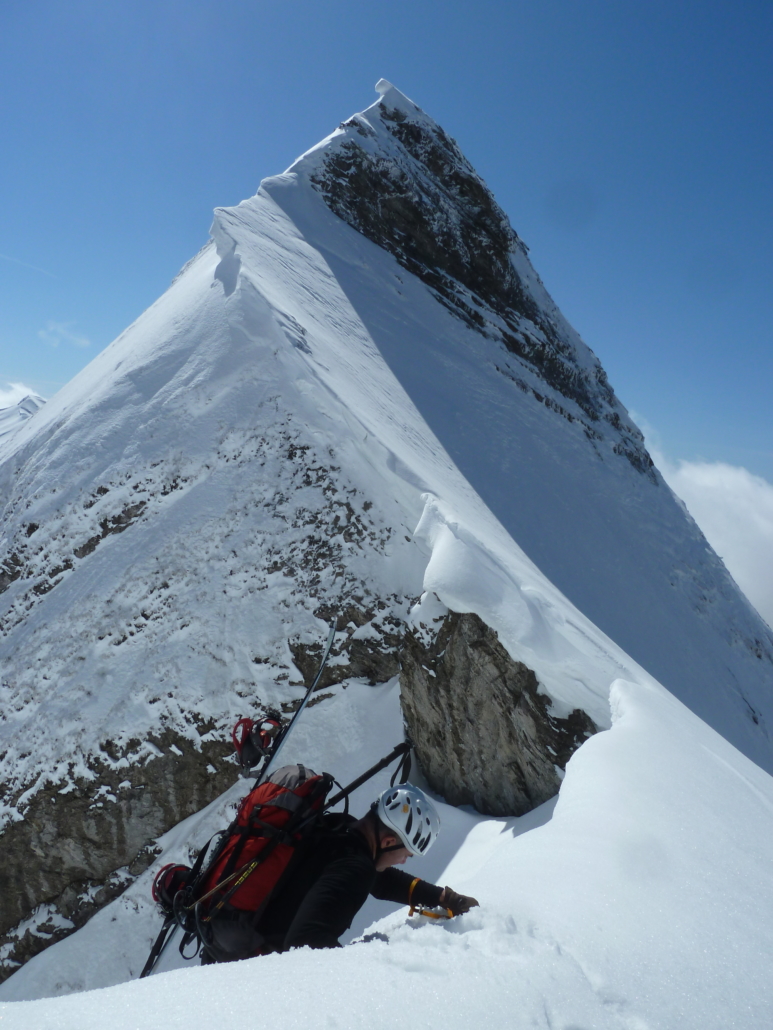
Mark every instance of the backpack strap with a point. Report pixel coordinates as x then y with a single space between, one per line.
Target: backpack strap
196 868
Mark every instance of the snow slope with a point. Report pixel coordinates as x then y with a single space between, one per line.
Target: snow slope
642 903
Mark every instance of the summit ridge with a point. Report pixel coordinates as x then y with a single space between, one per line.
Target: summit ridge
394 175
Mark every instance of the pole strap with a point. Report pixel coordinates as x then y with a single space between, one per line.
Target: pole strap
448 914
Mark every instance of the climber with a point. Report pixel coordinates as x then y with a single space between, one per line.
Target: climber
347 859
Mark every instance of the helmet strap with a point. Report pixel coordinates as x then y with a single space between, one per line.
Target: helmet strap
392 847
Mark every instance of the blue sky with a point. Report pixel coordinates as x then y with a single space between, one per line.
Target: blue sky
630 144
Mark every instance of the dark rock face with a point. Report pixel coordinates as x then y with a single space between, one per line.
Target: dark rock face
483 733
75 851
421 200
442 218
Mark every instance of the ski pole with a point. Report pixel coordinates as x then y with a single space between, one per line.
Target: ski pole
307 697
399 750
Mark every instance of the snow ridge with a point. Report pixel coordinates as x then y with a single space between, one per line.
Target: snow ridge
394 175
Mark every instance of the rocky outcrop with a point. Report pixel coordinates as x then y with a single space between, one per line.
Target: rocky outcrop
482 730
79 846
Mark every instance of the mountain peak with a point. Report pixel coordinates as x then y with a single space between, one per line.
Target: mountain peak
397 177
392 95
393 100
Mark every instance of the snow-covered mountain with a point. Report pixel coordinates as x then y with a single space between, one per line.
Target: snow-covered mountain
360 395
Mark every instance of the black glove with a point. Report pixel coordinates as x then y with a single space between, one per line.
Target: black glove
456 903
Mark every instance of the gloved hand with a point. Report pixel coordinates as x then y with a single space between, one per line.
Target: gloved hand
457 903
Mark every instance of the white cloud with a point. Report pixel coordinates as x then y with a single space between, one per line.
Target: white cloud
734 509
61 332
12 393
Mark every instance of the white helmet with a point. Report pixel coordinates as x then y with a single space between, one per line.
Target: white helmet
410 813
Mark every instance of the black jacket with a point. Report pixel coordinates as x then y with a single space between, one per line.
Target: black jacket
323 889
328 887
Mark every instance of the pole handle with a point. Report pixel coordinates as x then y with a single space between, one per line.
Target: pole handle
399 750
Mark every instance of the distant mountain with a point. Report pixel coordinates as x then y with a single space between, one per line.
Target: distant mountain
359 400
14 415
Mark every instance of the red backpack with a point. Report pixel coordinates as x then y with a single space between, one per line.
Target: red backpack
271 822
247 864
